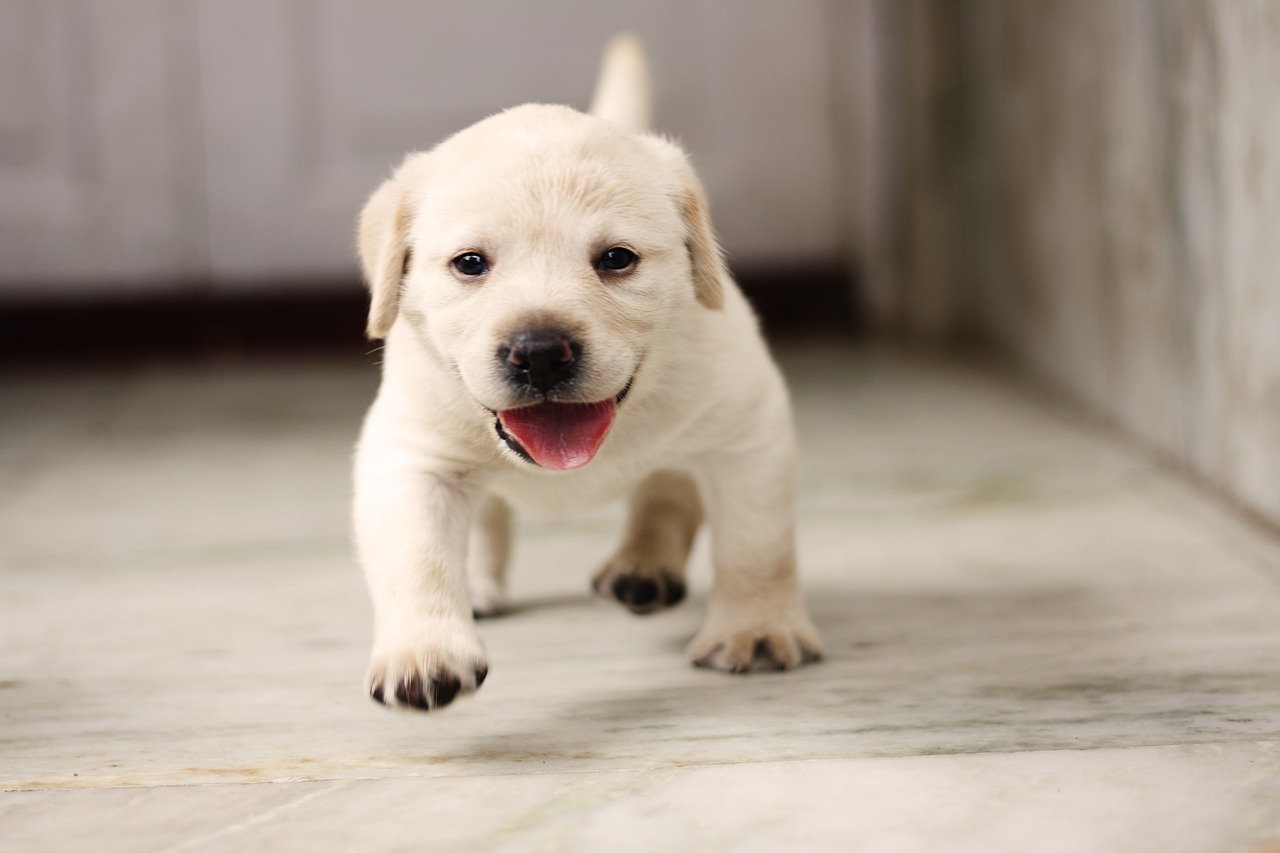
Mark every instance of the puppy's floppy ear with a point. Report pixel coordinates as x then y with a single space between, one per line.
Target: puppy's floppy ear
382 238
709 268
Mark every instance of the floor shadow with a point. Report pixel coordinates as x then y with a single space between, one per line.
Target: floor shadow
910 673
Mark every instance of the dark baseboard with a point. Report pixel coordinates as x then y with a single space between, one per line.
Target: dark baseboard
131 327
790 302
795 300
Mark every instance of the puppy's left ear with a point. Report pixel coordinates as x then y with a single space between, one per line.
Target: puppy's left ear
709 267
382 238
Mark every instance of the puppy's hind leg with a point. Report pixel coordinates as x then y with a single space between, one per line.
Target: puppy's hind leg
488 554
646 573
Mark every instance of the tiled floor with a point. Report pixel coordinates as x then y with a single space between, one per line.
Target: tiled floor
1036 640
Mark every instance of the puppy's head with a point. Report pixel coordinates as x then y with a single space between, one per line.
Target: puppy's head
539 255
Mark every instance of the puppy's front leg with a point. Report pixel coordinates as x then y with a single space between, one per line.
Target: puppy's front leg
411 532
755 618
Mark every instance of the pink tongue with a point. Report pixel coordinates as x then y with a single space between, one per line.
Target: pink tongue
560 436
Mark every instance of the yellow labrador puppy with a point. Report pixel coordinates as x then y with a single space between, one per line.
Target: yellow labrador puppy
561 330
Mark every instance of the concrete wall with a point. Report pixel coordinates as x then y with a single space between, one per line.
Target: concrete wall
1111 213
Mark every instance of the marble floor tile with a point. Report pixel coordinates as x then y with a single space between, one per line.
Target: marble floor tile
1021 614
1174 799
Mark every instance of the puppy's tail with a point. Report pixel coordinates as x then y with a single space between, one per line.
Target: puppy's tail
623 92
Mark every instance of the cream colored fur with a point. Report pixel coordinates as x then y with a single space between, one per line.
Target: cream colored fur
705 429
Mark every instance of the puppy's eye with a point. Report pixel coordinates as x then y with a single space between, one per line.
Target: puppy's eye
471 264
616 259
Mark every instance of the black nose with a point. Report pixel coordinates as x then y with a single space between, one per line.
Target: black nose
540 358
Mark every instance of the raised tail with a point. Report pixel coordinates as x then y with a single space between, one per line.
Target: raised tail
623 92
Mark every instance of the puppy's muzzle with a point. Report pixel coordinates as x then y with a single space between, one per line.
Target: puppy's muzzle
540 359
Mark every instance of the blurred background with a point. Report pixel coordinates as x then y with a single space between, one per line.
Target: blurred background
1089 188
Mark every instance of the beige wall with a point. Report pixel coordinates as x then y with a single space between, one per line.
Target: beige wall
171 143
1114 205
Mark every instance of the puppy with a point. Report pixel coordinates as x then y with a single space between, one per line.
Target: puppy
561 330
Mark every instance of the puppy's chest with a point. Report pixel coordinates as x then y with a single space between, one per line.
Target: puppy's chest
545 492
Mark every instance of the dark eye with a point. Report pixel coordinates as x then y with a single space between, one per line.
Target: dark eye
471 264
616 259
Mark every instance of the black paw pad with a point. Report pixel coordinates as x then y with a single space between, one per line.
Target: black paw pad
409 692
642 594
436 692
637 593
444 687
481 674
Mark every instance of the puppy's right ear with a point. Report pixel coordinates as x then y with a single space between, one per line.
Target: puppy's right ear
382 238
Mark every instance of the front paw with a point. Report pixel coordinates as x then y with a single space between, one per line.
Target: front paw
762 644
638 585
427 670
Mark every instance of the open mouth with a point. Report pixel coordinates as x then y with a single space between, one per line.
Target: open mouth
558 436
